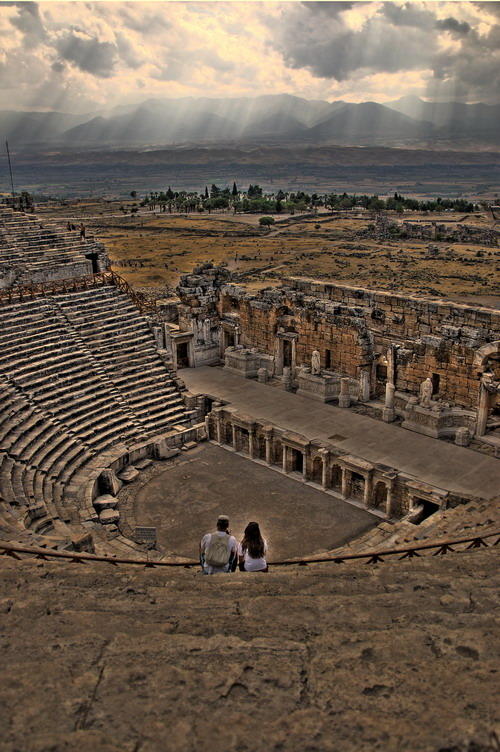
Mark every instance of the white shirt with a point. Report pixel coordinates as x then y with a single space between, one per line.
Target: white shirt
232 546
253 565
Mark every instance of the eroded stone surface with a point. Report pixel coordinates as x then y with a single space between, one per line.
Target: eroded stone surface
396 657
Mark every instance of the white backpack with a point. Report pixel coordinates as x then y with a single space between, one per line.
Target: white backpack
217 552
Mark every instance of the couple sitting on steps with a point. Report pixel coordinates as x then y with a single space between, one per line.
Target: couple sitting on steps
219 551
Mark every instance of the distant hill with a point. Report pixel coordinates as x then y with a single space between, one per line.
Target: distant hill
453 118
408 121
30 127
366 121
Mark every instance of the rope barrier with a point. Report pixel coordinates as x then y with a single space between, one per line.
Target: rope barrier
372 557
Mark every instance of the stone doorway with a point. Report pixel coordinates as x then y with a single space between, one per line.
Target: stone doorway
380 496
183 355
317 470
93 258
296 461
287 353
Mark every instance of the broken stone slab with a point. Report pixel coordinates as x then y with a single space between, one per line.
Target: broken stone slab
128 474
162 451
109 516
109 483
143 464
106 501
189 445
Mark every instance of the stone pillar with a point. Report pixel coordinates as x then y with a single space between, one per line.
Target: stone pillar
285 458
345 482
324 471
269 448
388 502
364 386
344 396
236 336
293 356
262 375
235 443
483 410
388 413
218 425
304 465
367 494
287 379
250 442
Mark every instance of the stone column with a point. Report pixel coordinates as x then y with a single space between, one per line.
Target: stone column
324 472
367 494
285 458
250 442
483 410
388 413
236 336
293 357
364 386
304 465
345 482
218 425
235 443
388 502
269 448
344 396
287 379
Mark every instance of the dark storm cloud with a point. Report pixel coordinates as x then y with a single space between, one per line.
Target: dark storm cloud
408 15
29 22
330 49
451 24
88 54
397 38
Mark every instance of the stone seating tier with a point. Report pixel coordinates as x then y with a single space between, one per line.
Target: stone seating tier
37 251
79 375
400 657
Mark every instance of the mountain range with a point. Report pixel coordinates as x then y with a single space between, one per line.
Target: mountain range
269 119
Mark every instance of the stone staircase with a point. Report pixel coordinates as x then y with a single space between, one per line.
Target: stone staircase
398 657
36 251
79 375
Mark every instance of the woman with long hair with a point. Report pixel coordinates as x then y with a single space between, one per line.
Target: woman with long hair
252 550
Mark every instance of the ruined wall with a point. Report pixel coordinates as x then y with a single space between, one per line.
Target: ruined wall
353 328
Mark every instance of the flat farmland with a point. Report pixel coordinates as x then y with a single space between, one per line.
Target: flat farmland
153 249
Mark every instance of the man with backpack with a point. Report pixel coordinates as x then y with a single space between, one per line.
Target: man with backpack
219 550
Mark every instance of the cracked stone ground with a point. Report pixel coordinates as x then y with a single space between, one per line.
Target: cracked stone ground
400 656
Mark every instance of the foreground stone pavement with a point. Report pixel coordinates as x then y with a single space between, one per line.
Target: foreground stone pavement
400 656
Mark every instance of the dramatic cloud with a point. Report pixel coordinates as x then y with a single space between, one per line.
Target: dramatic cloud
83 55
457 54
88 54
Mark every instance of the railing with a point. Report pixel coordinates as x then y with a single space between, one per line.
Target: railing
76 284
371 557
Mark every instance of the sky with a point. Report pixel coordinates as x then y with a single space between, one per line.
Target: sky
91 56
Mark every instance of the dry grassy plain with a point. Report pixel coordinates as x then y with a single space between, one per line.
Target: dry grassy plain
154 249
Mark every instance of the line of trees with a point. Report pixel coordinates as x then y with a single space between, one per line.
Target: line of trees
255 201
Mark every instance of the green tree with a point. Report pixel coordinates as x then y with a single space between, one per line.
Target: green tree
266 221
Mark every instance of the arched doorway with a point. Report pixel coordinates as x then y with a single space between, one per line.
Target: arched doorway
336 477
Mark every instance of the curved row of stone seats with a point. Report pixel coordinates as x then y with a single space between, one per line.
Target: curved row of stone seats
466 520
80 382
120 339
42 251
